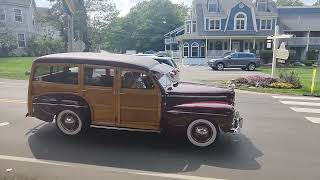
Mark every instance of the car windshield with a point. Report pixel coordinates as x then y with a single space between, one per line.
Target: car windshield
165 79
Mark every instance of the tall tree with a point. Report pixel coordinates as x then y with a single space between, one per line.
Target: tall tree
91 16
317 3
143 28
289 3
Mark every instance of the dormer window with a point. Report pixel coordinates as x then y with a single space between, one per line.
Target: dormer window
188 26
213 6
240 21
262 5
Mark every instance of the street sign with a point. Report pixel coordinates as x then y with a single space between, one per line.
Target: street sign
283 36
282 52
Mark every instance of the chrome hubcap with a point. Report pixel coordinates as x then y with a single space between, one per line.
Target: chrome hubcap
251 67
220 66
202 133
70 122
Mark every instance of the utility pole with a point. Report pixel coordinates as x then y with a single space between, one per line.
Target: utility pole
70 34
275 47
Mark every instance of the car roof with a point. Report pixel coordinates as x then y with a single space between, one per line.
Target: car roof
107 59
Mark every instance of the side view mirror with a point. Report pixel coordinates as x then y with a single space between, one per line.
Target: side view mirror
229 57
27 73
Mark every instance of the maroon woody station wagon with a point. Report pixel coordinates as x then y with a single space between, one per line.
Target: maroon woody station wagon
82 90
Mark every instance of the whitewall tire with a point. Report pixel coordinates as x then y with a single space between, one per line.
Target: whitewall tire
69 123
202 133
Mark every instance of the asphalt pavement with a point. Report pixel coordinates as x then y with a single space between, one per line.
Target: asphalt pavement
277 141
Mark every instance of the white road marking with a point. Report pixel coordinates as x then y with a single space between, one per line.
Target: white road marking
110 169
300 103
314 119
306 110
13 101
4 124
297 98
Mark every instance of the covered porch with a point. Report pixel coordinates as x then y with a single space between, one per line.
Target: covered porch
199 51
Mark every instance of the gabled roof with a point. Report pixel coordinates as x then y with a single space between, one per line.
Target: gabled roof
304 18
177 30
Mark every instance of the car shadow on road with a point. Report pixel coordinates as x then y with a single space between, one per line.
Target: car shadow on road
141 151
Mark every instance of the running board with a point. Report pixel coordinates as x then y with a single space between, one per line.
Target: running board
126 129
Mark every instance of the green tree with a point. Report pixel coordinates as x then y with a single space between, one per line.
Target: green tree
8 42
143 28
317 3
90 18
289 3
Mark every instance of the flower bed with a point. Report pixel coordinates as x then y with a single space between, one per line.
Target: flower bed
285 81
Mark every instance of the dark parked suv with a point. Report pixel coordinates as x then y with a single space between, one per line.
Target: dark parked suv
243 60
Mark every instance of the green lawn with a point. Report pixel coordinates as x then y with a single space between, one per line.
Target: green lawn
305 74
15 67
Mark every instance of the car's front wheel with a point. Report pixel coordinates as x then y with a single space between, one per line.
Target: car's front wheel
202 133
71 122
220 66
251 67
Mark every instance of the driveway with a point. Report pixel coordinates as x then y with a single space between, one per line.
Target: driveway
205 74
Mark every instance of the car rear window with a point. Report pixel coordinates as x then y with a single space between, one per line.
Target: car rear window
165 61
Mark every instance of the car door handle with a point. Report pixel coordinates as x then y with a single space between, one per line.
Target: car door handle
122 93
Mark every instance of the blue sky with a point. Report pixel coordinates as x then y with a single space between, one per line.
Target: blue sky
125 5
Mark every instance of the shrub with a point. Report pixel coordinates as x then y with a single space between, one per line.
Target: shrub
256 80
8 42
39 46
282 85
266 56
291 78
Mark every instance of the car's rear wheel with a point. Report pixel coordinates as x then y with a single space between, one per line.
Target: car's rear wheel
251 67
71 122
202 133
220 66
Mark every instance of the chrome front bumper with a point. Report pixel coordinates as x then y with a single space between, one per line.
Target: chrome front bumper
237 123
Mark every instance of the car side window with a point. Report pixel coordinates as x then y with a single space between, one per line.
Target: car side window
243 55
66 74
99 76
136 80
234 56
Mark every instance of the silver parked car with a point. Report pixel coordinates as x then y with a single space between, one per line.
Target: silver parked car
243 60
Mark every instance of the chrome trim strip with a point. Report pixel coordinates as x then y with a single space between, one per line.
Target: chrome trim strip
68 105
186 112
125 129
211 97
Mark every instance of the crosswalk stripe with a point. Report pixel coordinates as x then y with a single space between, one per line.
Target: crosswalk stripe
314 119
300 103
306 110
297 98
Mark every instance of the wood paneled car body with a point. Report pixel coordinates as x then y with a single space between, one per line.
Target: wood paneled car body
82 90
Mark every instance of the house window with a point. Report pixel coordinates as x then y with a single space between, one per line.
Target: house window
2 15
262 5
213 24
188 26
18 15
21 40
212 6
202 50
225 45
194 26
194 49
240 21
266 24
185 50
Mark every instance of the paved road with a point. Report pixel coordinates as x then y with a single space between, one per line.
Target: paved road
277 142
205 74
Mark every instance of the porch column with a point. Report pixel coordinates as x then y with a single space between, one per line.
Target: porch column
230 44
206 51
254 43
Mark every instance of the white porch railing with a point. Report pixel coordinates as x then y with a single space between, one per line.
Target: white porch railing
314 41
216 53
